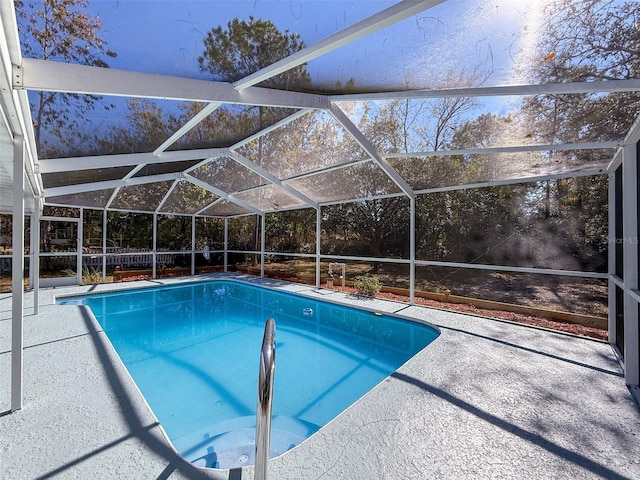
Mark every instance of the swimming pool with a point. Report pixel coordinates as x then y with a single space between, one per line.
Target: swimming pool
193 351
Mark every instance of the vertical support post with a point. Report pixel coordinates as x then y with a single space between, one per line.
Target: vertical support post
612 258
31 249
318 232
17 274
193 245
630 258
412 250
79 243
226 243
104 245
35 258
153 246
263 237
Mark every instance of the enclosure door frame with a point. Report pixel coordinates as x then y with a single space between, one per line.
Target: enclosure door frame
624 297
77 254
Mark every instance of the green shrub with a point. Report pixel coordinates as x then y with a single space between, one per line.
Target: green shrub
367 285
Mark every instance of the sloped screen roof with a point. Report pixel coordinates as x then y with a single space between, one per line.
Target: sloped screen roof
228 108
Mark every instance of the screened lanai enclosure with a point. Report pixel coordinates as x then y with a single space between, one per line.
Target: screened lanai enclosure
482 149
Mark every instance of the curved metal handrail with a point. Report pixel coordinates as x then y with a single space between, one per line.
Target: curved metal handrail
344 268
265 399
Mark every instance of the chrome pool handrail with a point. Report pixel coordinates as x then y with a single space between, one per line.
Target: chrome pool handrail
265 399
344 269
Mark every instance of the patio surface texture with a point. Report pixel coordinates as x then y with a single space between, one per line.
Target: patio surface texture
486 400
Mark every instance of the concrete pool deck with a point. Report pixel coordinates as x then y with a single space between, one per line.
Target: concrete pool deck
487 399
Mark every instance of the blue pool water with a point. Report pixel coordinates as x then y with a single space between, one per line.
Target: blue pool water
193 350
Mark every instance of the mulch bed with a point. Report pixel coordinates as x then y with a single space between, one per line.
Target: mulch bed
566 327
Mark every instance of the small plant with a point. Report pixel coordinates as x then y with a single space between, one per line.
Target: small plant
91 276
367 285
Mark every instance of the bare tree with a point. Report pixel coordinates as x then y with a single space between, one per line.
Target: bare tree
60 30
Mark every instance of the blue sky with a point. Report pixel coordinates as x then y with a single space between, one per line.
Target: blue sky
166 36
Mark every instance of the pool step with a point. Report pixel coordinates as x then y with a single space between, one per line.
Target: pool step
237 448
231 443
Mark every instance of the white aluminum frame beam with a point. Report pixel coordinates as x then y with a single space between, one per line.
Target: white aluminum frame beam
166 196
630 262
34 260
222 194
612 310
89 187
245 162
216 201
72 78
182 131
329 169
17 286
371 150
66 164
507 268
630 229
509 181
616 161
154 245
568 88
14 106
191 124
193 245
458 265
9 55
507 149
263 239
412 250
513 181
115 184
270 128
31 161
318 250
112 197
226 244
363 199
378 21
